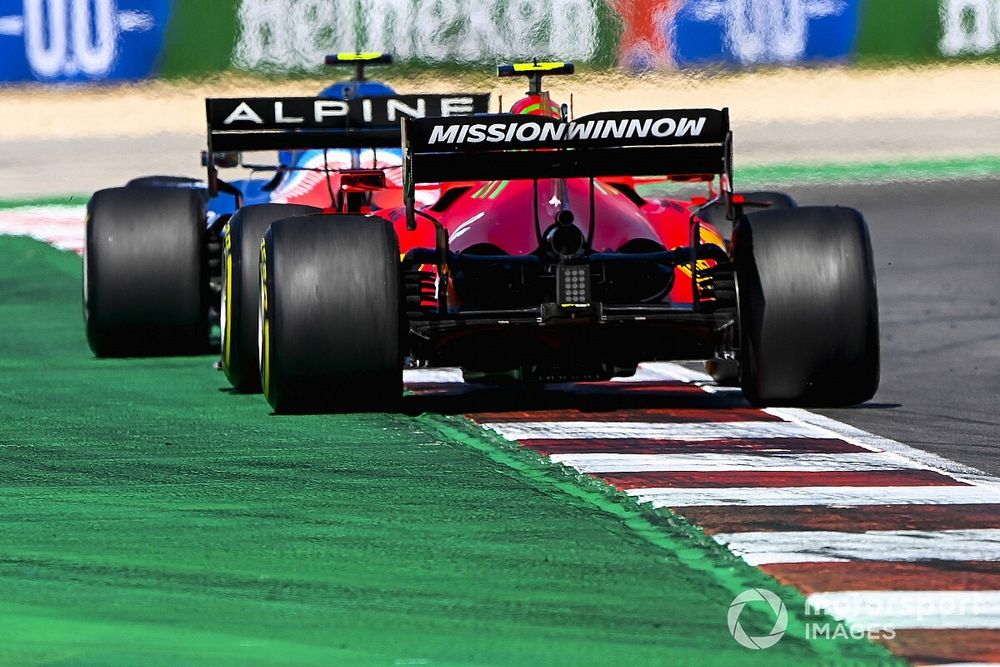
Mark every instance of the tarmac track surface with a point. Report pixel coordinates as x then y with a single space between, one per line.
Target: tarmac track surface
936 250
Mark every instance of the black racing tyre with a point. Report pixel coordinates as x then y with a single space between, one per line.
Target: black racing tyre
145 283
163 181
241 289
808 307
715 214
331 317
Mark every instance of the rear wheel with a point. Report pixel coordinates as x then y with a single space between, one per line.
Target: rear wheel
808 307
163 182
241 289
715 214
330 323
145 272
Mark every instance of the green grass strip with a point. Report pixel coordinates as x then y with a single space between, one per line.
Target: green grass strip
153 517
871 172
63 200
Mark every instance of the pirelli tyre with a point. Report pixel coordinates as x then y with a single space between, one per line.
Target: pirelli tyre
808 308
241 289
330 323
715 214
164 182
145 283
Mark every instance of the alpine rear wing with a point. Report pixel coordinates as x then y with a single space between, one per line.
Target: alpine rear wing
293 123
301 123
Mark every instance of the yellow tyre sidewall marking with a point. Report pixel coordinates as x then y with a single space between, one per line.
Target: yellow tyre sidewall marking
265 324
227 311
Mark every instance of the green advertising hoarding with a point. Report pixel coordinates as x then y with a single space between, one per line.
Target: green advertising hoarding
200 38
919 31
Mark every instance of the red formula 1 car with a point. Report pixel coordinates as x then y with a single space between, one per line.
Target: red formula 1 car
541 262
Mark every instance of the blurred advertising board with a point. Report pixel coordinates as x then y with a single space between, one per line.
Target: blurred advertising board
62 41
928 30
664 34
73 41
288 35
764 32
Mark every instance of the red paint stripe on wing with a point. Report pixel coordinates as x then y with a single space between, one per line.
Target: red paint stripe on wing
929 647
728 446
843 519
882 576
761 479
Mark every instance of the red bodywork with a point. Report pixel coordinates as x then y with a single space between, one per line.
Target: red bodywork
495 217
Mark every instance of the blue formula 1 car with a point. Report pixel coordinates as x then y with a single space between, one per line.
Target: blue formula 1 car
163 252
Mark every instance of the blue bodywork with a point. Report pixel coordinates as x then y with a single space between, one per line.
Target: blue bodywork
255 190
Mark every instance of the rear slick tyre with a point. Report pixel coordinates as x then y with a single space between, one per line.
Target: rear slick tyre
808 307
166 182
145 283
330 323
241 289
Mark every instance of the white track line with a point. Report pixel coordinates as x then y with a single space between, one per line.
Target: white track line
708 462
877 443
821 496
913 610
815 546
687 431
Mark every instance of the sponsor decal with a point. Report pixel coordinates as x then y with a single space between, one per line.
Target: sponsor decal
969 27
81 40
552 132
649 128
309 112
297 34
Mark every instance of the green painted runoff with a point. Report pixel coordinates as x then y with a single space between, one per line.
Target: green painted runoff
152 517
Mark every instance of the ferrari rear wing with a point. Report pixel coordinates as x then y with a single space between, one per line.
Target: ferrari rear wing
507 147
670 142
